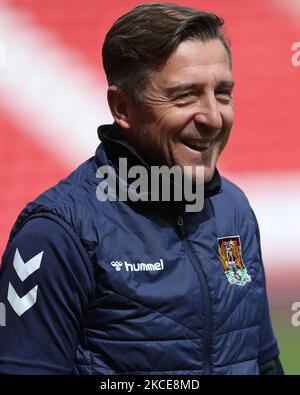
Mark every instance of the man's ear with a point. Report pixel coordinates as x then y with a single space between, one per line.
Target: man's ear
120 105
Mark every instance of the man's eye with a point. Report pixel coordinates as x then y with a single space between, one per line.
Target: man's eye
224 94
186 96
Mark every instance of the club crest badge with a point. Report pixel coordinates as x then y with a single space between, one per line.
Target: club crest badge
230 253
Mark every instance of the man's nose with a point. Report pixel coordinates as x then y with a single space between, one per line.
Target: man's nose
208 114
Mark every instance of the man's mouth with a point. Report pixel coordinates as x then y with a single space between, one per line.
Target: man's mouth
198 145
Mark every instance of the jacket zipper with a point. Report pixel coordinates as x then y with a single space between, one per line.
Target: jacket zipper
207 368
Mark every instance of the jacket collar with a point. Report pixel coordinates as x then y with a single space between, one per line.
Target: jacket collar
116 146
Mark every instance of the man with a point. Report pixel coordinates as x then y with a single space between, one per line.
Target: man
115 286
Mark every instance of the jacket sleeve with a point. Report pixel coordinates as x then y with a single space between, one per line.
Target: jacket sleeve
268 357
272 367
45 285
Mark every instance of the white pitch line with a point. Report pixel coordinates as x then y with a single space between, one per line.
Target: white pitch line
291 7
49 88
275 199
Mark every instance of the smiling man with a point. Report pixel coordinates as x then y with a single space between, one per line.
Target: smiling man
186 113
108 286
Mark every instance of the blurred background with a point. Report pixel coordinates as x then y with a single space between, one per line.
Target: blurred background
53 97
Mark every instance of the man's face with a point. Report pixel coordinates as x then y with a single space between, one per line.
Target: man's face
187 110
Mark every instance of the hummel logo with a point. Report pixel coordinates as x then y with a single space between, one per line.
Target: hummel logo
24 270
138 267
117 265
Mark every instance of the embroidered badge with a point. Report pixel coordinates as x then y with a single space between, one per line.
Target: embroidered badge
230 253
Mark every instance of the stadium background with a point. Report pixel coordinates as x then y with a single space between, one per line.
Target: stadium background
52 98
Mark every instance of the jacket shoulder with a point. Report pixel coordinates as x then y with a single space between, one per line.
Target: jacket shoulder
233 205
234 193
66 200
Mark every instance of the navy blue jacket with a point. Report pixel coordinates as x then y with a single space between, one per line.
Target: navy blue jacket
95 287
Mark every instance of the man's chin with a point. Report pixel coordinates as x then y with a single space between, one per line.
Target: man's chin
208 174
199 174
204 175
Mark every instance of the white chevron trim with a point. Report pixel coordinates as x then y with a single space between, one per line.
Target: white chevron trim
21 305
25 269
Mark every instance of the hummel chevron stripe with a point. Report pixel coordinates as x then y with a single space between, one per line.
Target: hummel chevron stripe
20 305
25 269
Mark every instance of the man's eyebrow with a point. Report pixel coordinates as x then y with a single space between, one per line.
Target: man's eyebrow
182 87
226 84
185 87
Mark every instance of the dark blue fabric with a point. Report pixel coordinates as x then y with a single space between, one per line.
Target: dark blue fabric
90 318
44 339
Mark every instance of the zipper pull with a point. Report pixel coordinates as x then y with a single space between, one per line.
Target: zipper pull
181 227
